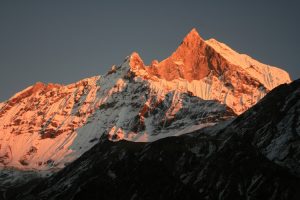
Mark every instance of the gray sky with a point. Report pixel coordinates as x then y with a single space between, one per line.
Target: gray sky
64 41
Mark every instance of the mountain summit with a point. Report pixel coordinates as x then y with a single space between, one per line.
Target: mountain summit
203 83
212 70
189 61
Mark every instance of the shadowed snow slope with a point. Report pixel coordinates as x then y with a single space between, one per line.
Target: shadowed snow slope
49 125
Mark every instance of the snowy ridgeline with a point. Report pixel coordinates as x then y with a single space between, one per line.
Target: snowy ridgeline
53 126
48 126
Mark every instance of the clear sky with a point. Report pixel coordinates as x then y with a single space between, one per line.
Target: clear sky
64 41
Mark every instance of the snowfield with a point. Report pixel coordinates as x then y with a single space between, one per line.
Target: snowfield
203 83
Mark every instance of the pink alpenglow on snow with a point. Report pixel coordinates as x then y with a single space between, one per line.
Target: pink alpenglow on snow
201 84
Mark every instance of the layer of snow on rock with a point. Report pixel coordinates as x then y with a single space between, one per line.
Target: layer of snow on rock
268 75
47 126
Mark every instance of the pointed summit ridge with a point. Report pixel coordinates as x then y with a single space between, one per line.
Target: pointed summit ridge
192 36
192 40
189 61
135 55
135 61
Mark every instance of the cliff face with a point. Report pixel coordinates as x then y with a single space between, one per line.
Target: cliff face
191 61
254 157
48 125
211 70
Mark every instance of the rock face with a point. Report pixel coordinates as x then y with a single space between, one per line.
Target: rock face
38 124
254 157
211 70
48 125
193 60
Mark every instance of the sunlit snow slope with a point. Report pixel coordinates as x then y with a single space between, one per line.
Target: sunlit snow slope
200 84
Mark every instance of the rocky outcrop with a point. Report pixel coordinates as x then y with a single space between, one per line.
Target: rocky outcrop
49 125
254 157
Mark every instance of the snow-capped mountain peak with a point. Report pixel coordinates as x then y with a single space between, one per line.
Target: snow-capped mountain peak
49 125
212 71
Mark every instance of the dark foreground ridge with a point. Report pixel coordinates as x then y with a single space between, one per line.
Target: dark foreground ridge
254 157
